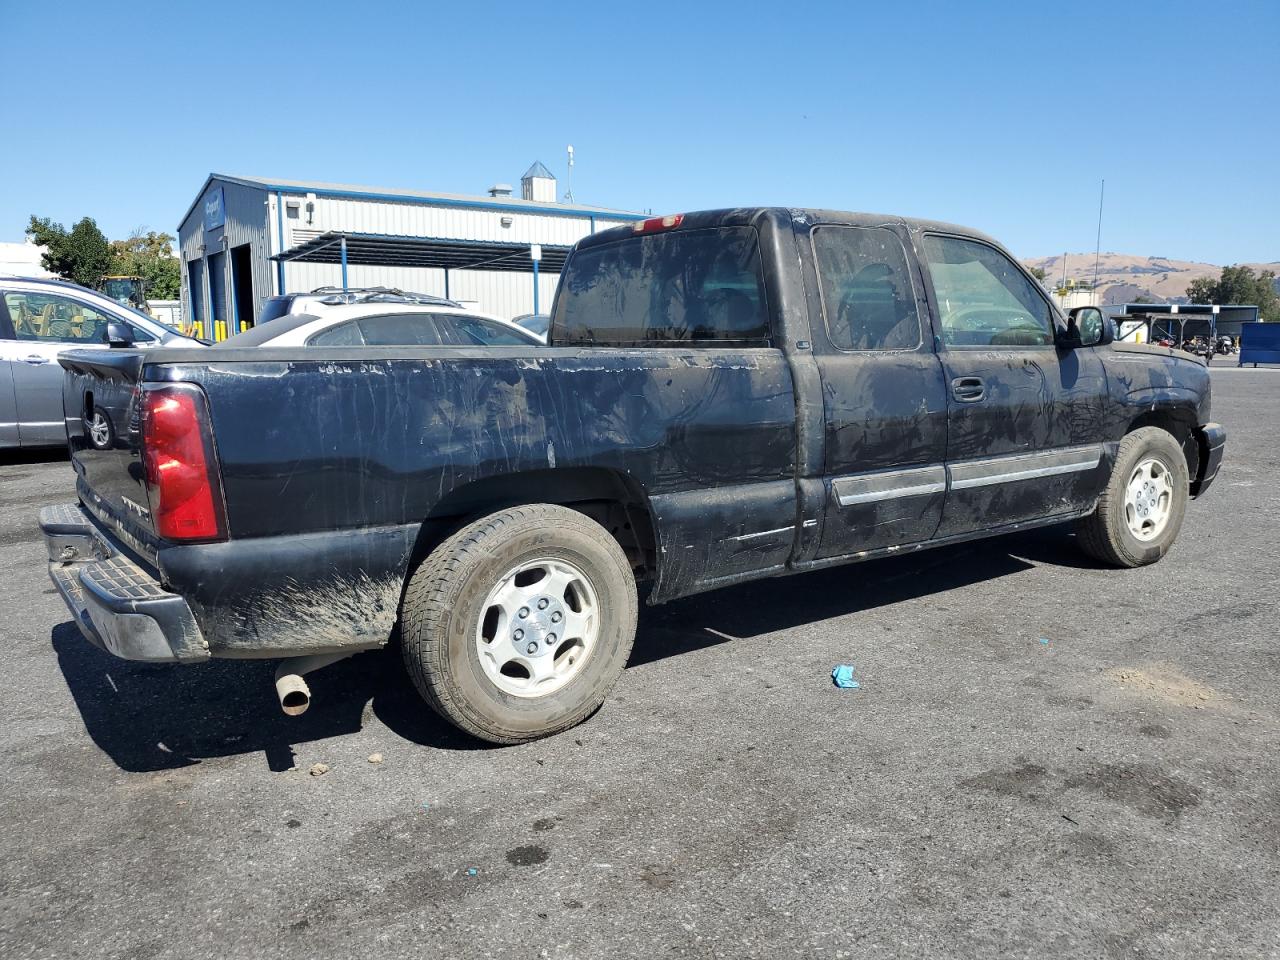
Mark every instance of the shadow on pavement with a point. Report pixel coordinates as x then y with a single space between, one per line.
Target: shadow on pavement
34 455
763 607
150 717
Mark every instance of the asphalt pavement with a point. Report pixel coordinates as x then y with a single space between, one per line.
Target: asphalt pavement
1044 759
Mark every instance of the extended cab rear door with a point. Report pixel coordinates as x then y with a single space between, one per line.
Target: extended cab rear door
884 404
1024 416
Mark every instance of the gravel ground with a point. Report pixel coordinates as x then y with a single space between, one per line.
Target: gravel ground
1112 792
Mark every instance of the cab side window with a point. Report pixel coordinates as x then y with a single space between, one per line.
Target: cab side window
867 297
51 318
984 300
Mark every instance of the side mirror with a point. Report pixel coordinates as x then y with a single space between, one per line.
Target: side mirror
1087 327
119 334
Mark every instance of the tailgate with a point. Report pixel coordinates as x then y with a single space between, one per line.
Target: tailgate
98 402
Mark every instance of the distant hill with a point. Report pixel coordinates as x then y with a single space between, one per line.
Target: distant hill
1123 277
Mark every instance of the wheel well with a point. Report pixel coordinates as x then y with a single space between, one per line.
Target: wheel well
1180 423
613 499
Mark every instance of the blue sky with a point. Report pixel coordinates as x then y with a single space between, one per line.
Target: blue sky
1001 116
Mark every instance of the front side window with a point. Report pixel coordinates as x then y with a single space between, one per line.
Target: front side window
52 318
867 296
681 287
983 299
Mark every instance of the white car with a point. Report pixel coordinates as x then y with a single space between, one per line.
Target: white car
285 304
384 321
40 319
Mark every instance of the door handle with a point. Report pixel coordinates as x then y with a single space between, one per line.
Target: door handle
968 389
35 360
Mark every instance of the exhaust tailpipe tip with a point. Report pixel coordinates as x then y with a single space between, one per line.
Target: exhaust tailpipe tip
291 689
294 694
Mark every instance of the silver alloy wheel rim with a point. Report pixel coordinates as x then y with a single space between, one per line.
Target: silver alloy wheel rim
1148 499
537 627
99 432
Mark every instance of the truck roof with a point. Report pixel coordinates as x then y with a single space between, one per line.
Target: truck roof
741 216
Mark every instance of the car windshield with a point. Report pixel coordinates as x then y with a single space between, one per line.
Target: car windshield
167 328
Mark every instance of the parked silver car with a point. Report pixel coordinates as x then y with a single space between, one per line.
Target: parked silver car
38 320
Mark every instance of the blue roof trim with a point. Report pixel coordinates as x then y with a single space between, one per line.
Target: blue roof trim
556 211
336 235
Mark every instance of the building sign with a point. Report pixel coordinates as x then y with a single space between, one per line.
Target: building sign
215 211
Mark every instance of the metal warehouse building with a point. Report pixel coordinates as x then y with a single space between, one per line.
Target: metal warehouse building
245 239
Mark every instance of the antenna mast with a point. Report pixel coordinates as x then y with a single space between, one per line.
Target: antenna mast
568 193
1097 250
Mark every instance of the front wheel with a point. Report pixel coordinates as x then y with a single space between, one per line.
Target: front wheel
1140 512
517 626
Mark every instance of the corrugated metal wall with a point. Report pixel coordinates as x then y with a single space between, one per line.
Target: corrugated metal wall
246 222
252 217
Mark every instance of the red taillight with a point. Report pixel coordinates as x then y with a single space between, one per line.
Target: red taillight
655 224
180 464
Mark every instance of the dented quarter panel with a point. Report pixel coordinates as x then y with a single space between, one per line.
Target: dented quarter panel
383 441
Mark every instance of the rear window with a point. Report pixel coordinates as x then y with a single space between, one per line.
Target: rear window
682 287
274 307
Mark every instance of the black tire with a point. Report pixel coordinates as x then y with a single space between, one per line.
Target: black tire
442 608
1105 533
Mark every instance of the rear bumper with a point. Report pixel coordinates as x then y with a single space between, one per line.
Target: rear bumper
1212 439
118 605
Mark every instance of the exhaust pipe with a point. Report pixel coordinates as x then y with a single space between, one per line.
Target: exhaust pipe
292 689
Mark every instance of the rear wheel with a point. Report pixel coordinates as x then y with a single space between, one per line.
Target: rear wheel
1140 513
517 626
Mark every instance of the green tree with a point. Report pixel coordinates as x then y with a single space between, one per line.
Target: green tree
1038 273
81 255
148 255
1239 285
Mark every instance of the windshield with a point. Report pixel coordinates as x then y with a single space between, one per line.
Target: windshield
167 328
120 290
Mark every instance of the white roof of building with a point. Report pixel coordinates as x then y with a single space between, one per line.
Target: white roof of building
413 196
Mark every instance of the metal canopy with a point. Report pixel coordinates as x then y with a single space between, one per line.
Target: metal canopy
386 250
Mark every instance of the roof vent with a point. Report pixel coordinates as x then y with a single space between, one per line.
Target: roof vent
500 190
538 184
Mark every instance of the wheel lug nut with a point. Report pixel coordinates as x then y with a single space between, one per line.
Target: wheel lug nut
542 604
531 648
524 611
551 638
518 635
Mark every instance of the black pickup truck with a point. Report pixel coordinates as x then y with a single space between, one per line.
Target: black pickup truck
726 396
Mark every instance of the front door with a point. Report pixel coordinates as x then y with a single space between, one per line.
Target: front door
882 389
44 325
1024 416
